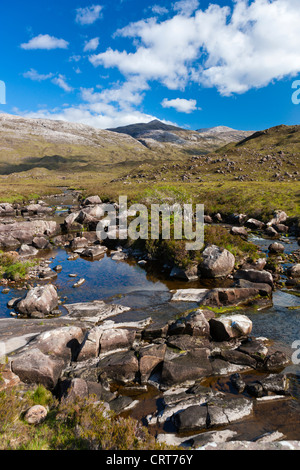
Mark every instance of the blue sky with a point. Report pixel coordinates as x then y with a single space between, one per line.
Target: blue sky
192 63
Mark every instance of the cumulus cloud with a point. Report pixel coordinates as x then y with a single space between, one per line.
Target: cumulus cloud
181 105
234 50
91 45
88 15
44 41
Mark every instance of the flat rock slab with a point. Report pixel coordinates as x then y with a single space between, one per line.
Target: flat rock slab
93 311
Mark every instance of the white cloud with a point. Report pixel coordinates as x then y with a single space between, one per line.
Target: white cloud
233 49
35 76
44 41
61 82
88 15
102 119
186 7
91 45
159 10
181 105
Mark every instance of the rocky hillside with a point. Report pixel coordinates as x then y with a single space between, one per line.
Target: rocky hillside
221 135
156 135
57 145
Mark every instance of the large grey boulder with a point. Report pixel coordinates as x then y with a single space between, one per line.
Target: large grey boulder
35 367
216 262
39 300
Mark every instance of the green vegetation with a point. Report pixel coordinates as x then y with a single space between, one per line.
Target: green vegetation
12 268
80 424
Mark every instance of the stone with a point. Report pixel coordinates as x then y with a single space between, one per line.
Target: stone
255 389
42 299
36 414
191 366
216 262
95 311
279 217
237 357
271 232
228 327
91 200
253 275
121 367
254 224
40 243
294 271
194 418
188 274
241 231
27 250
275 362
94 251
225 410
79 283
238 383
61 342
275 383
276 248
149 358
35 367
114 339
78 242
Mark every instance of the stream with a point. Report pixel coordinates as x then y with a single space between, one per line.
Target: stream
146 289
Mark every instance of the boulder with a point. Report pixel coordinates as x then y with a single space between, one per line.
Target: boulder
216 262
6 209
114 339
276 248
41 299
40 243
94 252
279 217
294 271
78 242
91 200
36 414
27 251
35 367
191 366
254 224
253 275
149 358
195 324
241 231
188 274
34 209
61 342
228 327
121 367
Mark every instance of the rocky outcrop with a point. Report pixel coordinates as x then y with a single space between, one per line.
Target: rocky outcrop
24 232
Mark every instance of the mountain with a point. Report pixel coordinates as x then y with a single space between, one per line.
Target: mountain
57 145
224 134
157 135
